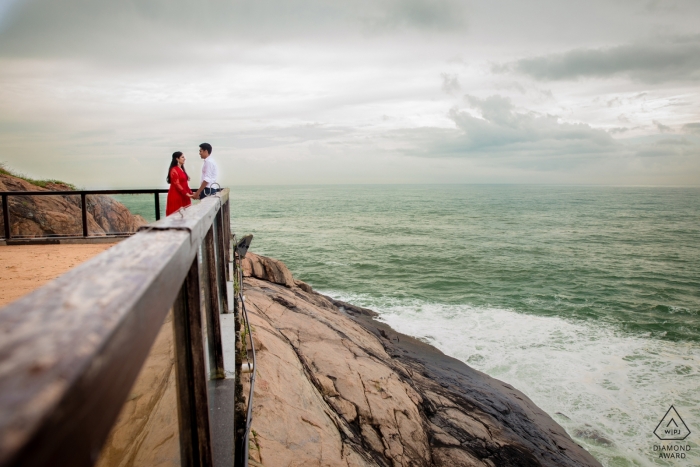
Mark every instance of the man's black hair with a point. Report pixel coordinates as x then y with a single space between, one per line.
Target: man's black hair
206 147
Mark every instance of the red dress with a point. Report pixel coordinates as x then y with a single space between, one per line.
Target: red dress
179 189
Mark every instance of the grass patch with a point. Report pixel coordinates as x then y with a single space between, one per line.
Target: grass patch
42 183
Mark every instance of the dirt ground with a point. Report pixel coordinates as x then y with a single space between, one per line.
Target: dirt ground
24 268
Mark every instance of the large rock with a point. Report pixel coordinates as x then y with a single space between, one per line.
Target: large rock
336 388
267 269
41 216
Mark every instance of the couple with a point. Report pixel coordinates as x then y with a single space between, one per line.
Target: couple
179 194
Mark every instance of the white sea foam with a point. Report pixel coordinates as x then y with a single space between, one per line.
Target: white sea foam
607 388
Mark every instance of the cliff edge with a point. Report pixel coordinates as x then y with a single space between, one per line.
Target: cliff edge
334 387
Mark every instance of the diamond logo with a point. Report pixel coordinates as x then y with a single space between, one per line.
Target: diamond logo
672 427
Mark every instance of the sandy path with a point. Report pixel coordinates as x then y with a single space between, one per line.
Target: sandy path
24 268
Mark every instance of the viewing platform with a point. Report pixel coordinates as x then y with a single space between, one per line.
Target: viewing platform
134 357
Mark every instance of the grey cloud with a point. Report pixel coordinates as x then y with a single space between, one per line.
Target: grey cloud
661 127
503 132
505 138
668 148
674 59
450 83
154 28
426 14
502 127
692 128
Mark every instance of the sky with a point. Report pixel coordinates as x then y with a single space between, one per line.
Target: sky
100 93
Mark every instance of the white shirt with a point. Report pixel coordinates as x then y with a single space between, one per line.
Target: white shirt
210 171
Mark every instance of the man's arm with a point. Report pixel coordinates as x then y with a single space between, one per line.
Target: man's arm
196 194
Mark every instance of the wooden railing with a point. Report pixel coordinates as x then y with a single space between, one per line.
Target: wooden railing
71 350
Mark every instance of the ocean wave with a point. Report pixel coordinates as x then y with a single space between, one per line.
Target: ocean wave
608 388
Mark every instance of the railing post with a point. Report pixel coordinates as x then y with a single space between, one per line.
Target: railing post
6 217
216 350
221 260
227 235
192 395
156 195
83 209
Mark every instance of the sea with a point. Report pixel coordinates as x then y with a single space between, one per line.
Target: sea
585 298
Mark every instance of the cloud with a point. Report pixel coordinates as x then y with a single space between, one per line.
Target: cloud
661 127
450 83
271 137
499 131
674 59
156 29
669 148
618 130
501 127
692 128
437 15
284 80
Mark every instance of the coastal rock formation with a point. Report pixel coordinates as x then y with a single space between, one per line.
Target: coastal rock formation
334 387
268 269
40 216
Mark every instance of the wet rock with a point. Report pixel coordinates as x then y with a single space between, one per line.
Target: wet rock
593 435
336 387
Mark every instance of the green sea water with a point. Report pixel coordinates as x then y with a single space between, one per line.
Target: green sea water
587 299
629 257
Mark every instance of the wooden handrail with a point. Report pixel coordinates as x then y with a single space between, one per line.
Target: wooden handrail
71 350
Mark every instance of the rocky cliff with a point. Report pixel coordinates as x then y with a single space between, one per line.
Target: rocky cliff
41 216
335 387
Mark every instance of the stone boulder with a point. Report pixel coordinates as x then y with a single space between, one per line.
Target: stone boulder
268 269
42 216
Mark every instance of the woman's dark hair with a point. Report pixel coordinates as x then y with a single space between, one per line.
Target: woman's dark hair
173 163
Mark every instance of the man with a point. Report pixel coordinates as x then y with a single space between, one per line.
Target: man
210 172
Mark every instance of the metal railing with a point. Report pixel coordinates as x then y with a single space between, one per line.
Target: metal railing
242 444
71 350
7 218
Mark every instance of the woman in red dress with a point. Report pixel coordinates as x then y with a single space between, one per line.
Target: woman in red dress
179 194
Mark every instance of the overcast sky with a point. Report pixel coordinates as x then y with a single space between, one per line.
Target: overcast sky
100 93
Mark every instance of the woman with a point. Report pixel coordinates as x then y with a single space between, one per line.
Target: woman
179 194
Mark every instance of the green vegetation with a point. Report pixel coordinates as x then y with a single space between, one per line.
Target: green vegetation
254 444
42 183
236 285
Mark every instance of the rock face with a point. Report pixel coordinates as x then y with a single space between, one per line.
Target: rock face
268 269
41 216
336 388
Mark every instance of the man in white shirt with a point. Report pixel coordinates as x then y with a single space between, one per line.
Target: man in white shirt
210 172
